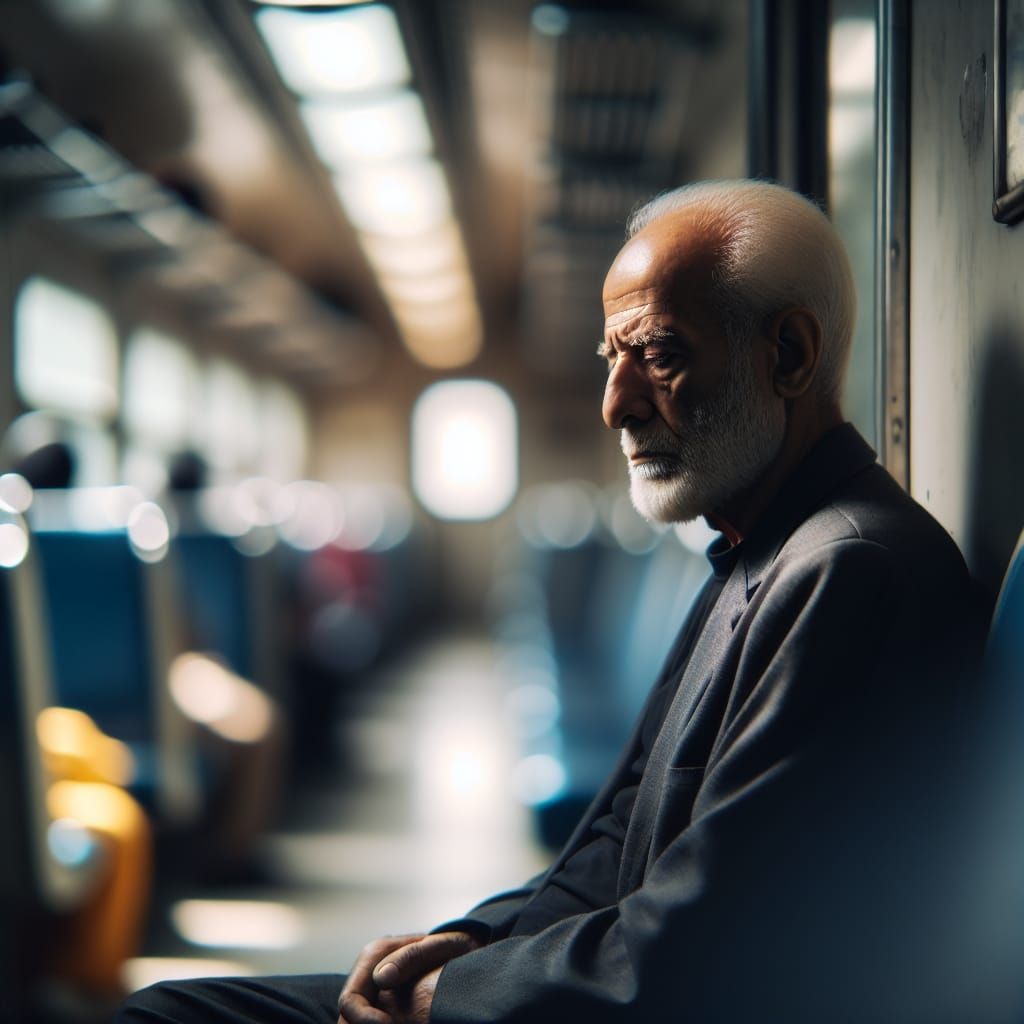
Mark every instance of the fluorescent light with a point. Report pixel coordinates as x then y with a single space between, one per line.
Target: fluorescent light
433 252
442 335
464 449
336 51
443 349
446 287
382 129
397 199
437 316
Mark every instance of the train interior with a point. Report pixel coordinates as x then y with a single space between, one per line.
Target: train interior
324 607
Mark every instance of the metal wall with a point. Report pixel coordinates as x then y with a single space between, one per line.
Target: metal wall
966 294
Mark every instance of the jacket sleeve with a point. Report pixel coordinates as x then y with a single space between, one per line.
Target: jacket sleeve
585 881
762 880
493 918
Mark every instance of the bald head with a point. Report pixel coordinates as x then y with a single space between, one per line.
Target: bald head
676 248
768 249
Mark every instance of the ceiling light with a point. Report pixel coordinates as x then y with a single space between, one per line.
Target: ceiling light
441 342
438 316
433 252
446 287
323 52
397 199
381 129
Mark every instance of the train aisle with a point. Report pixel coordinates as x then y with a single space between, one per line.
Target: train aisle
413 821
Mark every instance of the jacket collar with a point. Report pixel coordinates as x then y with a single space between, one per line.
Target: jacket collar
839 456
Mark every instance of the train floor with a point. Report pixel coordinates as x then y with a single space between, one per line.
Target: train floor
409 821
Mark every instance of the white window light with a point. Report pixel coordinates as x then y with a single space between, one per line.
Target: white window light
161 399
464 449
283 431
230 421
65 351
328 52
852 57
241 924
387 128
397 199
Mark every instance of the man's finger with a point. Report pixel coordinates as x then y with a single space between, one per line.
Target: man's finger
360 981
410 962
355 1008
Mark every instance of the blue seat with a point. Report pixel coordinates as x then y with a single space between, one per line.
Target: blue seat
232 605
112 625
214 578
97 609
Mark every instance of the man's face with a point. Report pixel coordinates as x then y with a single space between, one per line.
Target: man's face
700 422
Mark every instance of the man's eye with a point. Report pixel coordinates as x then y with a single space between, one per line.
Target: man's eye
660 359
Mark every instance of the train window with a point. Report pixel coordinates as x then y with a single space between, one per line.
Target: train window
65 357
464 449
231 425
161 384
852 160
284 439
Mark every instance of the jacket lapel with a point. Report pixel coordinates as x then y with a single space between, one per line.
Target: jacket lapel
706 656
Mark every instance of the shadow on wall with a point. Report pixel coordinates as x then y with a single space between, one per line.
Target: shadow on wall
995 514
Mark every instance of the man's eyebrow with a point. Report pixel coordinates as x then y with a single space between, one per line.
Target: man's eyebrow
604 349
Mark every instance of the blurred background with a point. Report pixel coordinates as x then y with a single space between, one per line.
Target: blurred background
312 533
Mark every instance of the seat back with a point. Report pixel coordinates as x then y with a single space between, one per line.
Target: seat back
230 604
97 610
114 626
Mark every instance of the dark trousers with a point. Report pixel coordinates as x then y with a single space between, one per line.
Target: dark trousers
297 999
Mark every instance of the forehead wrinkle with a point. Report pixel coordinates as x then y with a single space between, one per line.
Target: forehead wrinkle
625 316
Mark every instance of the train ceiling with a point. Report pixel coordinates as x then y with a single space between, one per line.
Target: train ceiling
454 199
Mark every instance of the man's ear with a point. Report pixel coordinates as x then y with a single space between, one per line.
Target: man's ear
796 334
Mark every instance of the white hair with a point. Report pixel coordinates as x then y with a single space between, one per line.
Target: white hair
777 250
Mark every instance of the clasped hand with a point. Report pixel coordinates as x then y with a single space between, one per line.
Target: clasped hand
393 979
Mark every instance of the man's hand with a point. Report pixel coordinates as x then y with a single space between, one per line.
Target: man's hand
358 999
411 1005
393 979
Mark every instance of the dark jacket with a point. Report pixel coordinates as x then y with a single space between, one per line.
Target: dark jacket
766 866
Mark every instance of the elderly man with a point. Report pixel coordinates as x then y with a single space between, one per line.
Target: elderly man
708 880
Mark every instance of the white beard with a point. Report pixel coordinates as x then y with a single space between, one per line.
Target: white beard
732 439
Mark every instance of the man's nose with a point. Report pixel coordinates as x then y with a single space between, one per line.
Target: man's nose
626 395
